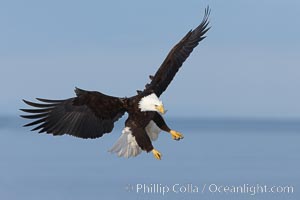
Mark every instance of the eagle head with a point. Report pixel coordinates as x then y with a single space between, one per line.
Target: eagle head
151 103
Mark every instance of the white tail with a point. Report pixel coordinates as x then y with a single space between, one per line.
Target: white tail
152 130
126 146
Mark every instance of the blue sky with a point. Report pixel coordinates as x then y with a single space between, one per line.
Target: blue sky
248 66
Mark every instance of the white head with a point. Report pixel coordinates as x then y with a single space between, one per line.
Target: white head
151 103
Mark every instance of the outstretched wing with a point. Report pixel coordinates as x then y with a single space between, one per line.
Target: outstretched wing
89 115
176 57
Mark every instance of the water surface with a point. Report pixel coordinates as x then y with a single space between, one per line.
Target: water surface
214 152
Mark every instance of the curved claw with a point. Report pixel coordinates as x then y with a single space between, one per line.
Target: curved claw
176 135
156 154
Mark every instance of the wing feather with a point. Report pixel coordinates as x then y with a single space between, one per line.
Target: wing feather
176 57
89 115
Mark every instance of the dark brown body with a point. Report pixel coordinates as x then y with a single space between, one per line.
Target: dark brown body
137 122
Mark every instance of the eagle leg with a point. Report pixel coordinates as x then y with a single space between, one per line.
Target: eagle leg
160 122
156 154
176 135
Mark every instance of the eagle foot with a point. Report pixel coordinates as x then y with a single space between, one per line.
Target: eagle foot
176 135
156 154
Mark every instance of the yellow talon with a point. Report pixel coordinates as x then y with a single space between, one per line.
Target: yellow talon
156 154
176 135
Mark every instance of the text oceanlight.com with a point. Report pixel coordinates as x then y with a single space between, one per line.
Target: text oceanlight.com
177 188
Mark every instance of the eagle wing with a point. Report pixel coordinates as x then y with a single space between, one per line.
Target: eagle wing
176 57
89 115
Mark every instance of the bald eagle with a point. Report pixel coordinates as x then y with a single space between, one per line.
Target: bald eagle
91 114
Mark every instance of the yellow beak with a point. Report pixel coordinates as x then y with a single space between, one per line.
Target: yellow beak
160 109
